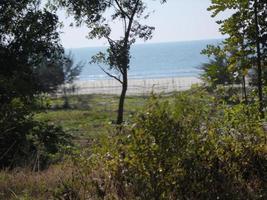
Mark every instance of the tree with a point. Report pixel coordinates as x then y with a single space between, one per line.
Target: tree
50 74
236 44
258 59
246 28
28 35
58 74
70 73
97 16
216 71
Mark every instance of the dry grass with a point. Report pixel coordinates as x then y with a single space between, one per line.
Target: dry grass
88 118
25 184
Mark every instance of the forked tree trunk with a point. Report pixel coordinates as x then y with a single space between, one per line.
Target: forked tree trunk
122 98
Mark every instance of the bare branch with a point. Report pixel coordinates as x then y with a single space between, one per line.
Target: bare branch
110 75
110 41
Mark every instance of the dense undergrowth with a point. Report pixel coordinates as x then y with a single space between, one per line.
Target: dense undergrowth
192 146
196 147
26 142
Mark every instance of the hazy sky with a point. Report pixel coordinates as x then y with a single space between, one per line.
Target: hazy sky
177 20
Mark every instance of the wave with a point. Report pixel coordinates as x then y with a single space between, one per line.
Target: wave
148 75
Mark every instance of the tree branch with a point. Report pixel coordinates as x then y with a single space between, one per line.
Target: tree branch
5 153
110 75
131 19
121 9
111 40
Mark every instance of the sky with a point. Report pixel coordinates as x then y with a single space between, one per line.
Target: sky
177 20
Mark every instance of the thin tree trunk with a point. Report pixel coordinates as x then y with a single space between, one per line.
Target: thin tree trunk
66 99
243 64
260 92
244 89
122 98
125 63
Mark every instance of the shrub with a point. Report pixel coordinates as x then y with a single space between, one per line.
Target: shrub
192 148
47 144
25 142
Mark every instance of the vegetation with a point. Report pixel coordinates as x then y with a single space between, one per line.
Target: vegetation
56 73
217 72
191 147
204 143
70 72
28 36
246 28
187 145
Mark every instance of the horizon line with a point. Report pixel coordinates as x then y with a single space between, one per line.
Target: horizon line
180 41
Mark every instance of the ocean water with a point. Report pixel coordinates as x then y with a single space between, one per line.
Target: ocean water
151 61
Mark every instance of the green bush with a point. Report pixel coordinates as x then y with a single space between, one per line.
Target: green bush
25 142
192 148
48 143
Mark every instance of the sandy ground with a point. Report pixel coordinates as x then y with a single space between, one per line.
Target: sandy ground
136 86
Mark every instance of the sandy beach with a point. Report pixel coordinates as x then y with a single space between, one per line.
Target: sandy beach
136 86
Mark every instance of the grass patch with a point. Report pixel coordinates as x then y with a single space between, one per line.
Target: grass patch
89 115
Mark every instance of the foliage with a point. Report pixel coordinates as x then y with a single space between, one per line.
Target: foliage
56 72
246 30
28 37
50 73
70 73
216 71
48 142
30 143
196 147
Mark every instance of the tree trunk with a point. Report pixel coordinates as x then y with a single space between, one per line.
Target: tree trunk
260 92
125 64
122 98
66 104
244 89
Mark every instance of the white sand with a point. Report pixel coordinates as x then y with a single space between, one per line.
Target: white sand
136 86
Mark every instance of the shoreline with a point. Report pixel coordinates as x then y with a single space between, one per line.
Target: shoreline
136 86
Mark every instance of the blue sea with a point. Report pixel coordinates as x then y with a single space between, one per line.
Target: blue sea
151 61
